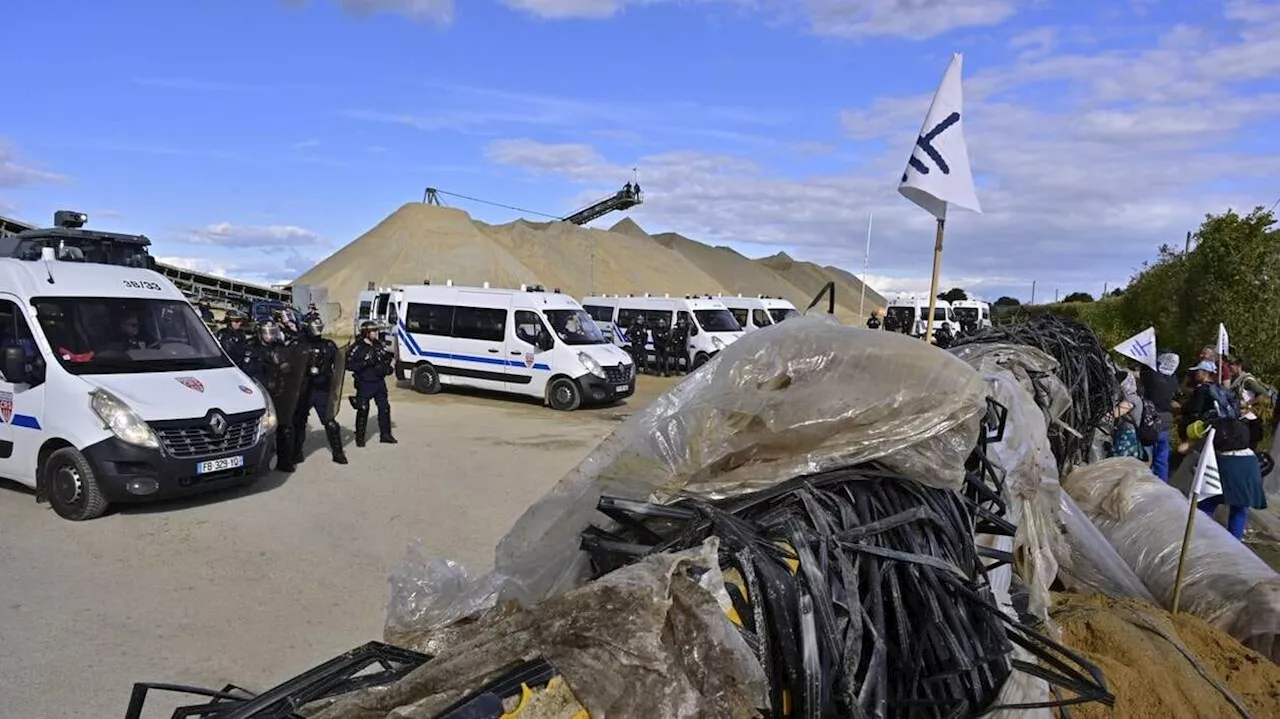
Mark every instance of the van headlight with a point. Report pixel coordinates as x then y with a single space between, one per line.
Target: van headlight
717 343
122 420
591 365
269 418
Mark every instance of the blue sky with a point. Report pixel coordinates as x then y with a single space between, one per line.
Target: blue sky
253 138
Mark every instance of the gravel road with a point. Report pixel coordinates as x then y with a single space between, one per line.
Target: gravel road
257 585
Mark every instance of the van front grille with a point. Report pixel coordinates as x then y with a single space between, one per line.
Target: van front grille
191 438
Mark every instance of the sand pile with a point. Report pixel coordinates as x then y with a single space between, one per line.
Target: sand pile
1149 676
420 241
811 278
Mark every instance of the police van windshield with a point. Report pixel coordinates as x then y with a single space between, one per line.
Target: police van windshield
783 313
575 327
717 321
117 335
965 313
939 314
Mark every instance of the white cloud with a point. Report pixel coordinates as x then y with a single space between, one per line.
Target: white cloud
226 234
13 174
1085 164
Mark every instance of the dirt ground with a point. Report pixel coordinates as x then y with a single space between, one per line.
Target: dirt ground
255 586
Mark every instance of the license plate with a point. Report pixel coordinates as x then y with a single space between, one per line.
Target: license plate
220 465
622 388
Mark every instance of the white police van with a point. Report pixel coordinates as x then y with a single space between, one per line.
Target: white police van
711 326
525 341
113 389
757 312
912 313
976 312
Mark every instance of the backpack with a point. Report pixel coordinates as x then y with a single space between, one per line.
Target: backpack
1149 427
1226 405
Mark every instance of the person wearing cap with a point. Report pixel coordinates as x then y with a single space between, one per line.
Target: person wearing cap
1257 399
1160 387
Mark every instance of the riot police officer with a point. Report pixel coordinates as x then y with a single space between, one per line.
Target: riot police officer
661 342
233 338
873 322
678 345
638 339
891 323
278 369
942 336
318 391
370 362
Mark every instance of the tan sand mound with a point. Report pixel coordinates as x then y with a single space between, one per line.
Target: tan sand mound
583 261
420 241
811 278
1149 675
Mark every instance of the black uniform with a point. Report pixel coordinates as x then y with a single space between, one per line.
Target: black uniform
678 345
873 322
942 336
370 363
638 339
661 344
235 342
320 357
278 369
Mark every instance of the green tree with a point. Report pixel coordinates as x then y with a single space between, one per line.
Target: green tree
1078 297
955 294
1007 302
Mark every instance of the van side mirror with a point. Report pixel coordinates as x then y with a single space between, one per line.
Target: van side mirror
15 365
693 330
545 341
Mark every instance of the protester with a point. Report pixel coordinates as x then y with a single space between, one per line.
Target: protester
1207 354
1159 388
1257 400
1126 417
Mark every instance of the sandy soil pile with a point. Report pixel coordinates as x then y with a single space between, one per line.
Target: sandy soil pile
812 278
1149 675
420 241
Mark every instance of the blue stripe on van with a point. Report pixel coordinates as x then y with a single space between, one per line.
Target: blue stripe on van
407 337
25 420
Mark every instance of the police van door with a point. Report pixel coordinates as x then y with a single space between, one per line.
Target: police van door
479 334
21 404
528 365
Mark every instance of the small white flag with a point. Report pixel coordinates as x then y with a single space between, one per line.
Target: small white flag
1140 347
1207 483
1224 342
938 172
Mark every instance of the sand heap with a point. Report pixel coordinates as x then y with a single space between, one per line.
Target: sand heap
420 241
1150 676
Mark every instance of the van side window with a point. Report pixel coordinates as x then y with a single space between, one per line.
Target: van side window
758 317
688 322
740 316
529 326
392 317
599 313
479 323
626 317
366 308
429 319
14 330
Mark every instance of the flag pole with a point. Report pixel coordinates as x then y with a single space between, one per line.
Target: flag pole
866 261
933 284
1182 555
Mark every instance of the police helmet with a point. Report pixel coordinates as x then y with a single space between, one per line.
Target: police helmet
233 316
314 326
367 326
268 332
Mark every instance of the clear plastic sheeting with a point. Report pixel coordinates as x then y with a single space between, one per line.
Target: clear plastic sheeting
1224 582
1034 369
428 595
649 640
1092 565
796 398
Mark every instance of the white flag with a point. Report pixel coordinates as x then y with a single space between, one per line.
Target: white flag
938 172
1140 347
1207 483
1224 343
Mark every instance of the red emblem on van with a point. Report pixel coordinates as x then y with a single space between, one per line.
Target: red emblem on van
192 383
6 406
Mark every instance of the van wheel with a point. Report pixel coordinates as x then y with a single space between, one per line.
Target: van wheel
700 359
563 395
426 379
71 487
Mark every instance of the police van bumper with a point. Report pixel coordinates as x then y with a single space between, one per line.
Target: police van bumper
127 473
603 390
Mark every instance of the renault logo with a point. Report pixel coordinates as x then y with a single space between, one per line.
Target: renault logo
218 424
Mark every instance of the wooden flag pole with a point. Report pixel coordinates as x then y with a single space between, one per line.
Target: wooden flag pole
933 284
1182 556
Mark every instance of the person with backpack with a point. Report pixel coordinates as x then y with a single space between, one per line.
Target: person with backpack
1126 418
1214 406
1257 400
1159 388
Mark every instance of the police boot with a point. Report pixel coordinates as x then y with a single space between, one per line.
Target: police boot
284 449
384 429
299 443
333 433
362 424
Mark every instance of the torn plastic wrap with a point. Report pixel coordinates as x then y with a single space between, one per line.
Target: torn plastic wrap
801 397
1091 563
1224 582
649 640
